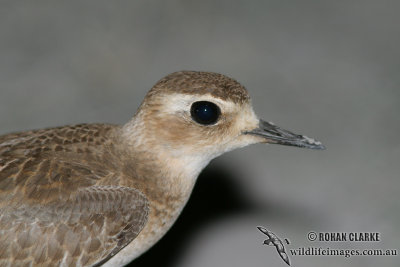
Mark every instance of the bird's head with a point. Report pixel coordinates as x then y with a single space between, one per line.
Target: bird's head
200 115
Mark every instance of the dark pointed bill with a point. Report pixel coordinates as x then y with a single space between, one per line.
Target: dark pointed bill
274 134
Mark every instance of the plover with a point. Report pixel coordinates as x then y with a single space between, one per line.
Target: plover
93 194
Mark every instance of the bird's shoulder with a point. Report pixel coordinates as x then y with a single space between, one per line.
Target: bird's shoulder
35 165
54 203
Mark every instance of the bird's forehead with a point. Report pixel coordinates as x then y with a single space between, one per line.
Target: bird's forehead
202 83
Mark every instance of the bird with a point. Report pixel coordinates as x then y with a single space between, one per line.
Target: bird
273 240
103 194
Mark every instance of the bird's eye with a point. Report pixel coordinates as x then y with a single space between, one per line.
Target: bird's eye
205 112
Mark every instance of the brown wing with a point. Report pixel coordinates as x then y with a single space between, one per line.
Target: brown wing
54 208
47 165
91 227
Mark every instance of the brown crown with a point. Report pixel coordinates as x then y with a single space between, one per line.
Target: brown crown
200 83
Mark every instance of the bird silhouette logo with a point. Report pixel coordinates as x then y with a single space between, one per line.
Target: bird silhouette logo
273 240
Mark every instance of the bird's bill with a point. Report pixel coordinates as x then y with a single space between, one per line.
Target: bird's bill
275 135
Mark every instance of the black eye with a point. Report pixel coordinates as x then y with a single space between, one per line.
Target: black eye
205 112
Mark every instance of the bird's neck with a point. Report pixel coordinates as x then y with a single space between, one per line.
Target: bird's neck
166 179
156 168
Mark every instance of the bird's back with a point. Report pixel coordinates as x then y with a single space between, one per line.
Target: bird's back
40 158
60 201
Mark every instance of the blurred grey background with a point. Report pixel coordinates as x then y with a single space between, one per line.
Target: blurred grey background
328 69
